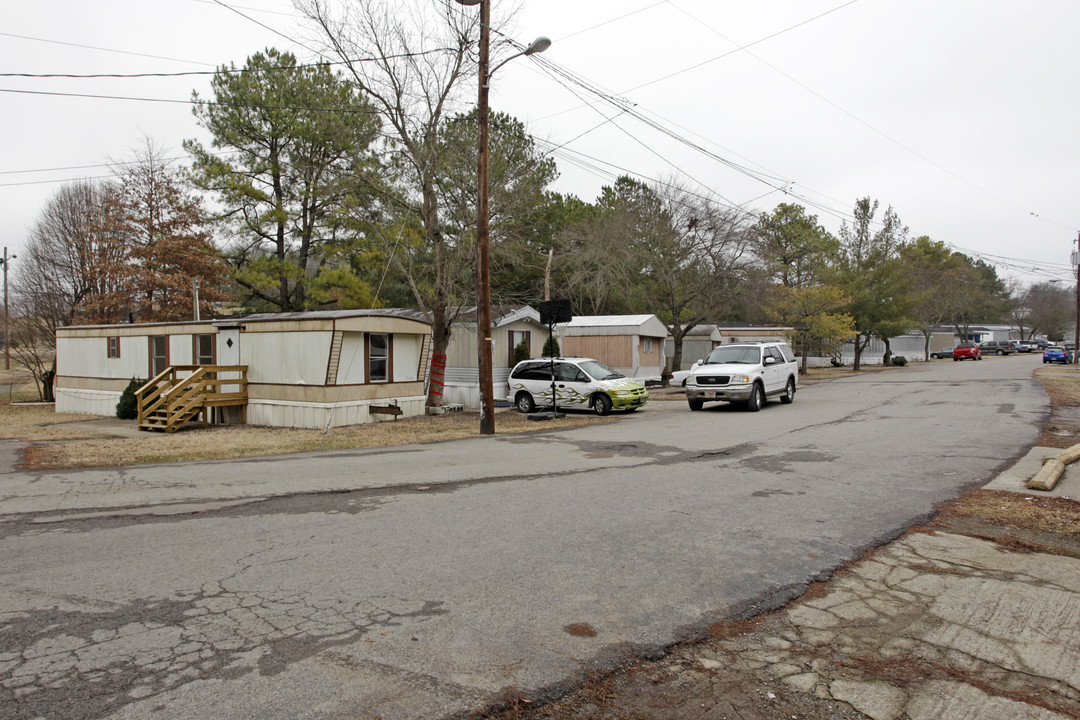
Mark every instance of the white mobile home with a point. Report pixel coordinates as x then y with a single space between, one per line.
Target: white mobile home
304 369
510 325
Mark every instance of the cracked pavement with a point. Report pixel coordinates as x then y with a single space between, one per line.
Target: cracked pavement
425 581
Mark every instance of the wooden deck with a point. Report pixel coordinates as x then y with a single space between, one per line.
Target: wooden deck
182 392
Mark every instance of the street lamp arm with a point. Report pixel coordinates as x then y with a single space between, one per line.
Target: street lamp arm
538 45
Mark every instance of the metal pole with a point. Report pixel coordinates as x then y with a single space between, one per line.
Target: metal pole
1076 336
483 277
7 323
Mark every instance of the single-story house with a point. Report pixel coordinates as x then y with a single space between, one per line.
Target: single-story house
303 369
697 343
630 344
510 326
753 332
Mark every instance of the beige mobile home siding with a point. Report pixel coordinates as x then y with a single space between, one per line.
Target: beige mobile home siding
615 351
650 359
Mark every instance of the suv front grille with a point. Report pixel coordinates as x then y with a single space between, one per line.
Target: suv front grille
713 379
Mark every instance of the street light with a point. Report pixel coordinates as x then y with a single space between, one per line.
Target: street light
483 271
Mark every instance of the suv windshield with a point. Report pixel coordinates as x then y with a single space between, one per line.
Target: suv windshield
599 370
735 355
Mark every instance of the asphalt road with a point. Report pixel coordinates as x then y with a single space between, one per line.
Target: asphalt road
422 581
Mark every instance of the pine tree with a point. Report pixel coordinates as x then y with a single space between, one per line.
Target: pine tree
128 407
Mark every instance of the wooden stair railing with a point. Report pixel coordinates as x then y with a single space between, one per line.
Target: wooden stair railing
181 392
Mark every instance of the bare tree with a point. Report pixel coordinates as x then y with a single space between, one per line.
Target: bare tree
1049 309
60 269
410 58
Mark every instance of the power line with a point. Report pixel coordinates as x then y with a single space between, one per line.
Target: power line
103 49
190 102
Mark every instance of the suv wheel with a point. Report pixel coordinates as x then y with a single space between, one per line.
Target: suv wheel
524 402
1000 352
789 392
601 405
756 400
695 404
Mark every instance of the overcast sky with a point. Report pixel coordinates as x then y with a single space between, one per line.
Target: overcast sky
959 114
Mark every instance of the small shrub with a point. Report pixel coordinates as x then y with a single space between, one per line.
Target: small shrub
128 407
899 360
551 347
521 351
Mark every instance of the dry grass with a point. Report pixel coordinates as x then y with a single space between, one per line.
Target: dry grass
1017 511
222 442
1062 384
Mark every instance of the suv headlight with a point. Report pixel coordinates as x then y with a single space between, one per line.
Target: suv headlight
742 379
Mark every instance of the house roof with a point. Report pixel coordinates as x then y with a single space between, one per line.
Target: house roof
709 330
500 314
403 313
647 325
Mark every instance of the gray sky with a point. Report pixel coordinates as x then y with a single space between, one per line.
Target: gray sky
959 114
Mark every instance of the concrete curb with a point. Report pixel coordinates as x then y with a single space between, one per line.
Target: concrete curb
1053 468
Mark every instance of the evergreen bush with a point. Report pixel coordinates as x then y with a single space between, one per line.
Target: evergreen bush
128 407
551 347
521 351
899 360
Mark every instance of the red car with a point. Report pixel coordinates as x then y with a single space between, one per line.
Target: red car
966 351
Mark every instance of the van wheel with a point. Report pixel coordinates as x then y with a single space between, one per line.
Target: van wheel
524 402
757 398
789 392
601 405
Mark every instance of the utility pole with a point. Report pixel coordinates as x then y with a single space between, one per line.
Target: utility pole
1076 336
483 271
7 318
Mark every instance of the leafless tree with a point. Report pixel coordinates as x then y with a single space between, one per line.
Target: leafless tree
411 58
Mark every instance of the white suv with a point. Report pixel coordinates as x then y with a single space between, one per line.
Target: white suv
578 383
744 372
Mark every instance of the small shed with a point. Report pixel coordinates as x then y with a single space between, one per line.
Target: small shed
303 369
511 325
753 332
630 344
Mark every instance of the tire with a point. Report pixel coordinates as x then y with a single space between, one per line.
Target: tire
789 392
1000 352
956 359
601 405
695 405
978 357
756 399
933 356
524 402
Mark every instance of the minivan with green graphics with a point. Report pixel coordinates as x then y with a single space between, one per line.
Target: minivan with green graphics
577 383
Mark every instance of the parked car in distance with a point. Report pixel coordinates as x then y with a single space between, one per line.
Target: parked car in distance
997 347
678 378
746 373
578 383
1022 347
1056 353
966 351
939 354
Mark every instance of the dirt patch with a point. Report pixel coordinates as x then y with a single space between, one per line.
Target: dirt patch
221 442
1063 386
